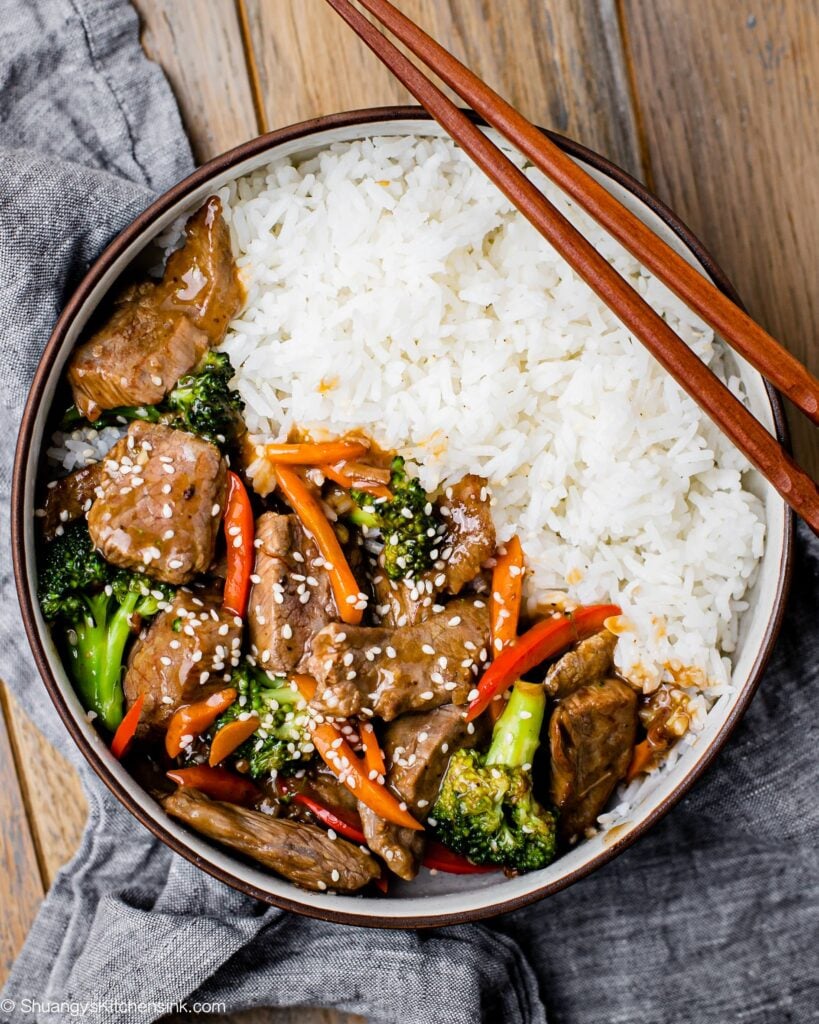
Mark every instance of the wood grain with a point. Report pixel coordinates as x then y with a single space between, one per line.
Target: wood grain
728 95
21 883
56 805
199 45
560 64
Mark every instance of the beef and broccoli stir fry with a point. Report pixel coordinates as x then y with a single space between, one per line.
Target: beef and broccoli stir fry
330 673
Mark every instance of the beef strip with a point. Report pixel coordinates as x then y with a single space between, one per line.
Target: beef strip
300 852
470 531
591 734
401 602
158 509
136 357
186 654
159 331
70 497
417 749
589 662
201 280
411 668
281 625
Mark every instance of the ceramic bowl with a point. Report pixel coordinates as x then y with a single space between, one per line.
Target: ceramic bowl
431 899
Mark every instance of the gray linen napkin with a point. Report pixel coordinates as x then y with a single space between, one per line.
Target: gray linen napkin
713 917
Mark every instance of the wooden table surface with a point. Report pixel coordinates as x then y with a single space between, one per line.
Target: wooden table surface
712 104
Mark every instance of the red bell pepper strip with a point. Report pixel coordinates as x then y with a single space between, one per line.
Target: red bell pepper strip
193 719
240 529
217 783
544 640
440 858
127 728
331 819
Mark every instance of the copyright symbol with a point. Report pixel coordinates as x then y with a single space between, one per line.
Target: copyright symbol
7 1005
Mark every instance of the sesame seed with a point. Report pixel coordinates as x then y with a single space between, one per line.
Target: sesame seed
287 631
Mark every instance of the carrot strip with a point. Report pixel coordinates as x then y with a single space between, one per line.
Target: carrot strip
230 736
306 685
373 755
341 478
307 508
363 471
507 591
504 607
240 530
127 729
320 454
193 719
342 762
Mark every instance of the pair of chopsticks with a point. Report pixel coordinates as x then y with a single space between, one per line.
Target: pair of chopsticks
728 320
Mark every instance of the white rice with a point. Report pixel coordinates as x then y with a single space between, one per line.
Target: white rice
393 289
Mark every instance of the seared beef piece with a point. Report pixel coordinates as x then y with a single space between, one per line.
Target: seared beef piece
402 602
201 280
159 331
136 357
592 741
159 506
401 849
184 655
589 662
417 749
302 853
70 497
407 669
470 531
281 625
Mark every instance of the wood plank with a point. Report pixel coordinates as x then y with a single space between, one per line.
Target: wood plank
561 64
727 95
199 45
21 883
56 804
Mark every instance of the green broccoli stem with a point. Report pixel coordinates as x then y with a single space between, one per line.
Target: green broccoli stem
360 517
516 735
98 654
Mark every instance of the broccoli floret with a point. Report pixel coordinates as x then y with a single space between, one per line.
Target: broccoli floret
486 809
96 608
282 741
202 402
406 522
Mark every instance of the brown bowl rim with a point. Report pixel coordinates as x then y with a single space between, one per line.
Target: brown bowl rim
101 265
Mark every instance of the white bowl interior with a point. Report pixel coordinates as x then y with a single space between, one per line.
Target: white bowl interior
439 895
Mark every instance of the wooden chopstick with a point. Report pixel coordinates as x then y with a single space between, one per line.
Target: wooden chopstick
733 324
730 415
